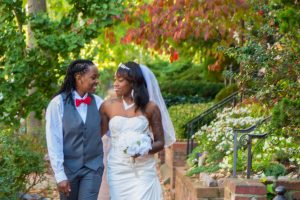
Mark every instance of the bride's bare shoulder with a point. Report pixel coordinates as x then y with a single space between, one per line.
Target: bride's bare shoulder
110 101
113 100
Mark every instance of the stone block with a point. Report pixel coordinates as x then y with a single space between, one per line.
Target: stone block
207 180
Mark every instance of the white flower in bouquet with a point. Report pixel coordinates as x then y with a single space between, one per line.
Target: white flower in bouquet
133 143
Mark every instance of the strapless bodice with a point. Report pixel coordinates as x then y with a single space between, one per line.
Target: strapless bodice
119 125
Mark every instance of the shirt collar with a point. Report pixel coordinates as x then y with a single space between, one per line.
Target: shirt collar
77 96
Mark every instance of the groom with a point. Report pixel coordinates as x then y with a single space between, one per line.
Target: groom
73 134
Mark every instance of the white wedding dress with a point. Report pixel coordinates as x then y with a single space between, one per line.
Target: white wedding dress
128 180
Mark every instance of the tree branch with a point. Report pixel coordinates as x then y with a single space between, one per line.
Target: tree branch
18 21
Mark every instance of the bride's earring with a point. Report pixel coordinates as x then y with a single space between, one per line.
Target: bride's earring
132 93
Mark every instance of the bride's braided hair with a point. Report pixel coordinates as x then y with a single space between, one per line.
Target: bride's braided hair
132 72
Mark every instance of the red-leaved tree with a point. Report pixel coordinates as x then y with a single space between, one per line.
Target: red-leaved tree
188 27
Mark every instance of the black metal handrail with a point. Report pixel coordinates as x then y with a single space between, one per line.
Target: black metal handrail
246 133
205 118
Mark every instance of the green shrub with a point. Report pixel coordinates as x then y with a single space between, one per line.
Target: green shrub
225 92
21 156
282 156
286 113
198 170
207 90
172 100
275 169
181 114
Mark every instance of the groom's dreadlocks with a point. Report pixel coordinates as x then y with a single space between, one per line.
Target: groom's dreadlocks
69 84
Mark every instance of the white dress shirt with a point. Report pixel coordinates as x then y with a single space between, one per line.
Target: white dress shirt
54 131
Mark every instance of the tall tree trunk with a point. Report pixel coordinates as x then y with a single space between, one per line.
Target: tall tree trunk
34 125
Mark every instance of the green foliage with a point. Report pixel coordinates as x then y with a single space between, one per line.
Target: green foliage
185 81
289 19
198 170
29 76
172 100
21 156
274 169
270 191
286 113
286 126
194 156
281 146
282 156
191 88
181 114
269 54
185 69
225 92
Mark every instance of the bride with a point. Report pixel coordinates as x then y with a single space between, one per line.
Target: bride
137 107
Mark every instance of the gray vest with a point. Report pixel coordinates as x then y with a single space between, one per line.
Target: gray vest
82 141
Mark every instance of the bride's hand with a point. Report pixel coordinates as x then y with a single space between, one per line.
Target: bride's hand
136 155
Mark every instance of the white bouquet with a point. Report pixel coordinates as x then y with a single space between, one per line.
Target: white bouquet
135 143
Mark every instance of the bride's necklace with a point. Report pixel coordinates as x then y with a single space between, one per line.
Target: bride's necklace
126 106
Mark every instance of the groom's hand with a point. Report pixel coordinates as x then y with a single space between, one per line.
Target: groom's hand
64 187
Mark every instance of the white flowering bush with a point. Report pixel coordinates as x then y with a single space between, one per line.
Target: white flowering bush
216 140
275 147
134 143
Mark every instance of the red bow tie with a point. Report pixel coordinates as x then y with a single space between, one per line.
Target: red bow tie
87 101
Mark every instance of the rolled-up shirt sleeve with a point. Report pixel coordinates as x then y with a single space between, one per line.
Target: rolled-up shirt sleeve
54 137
